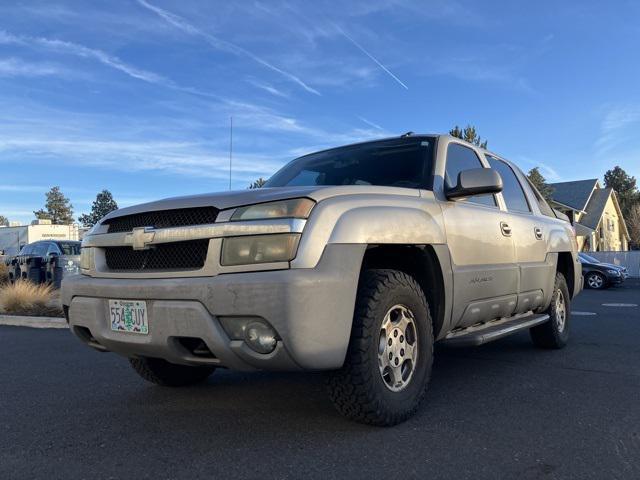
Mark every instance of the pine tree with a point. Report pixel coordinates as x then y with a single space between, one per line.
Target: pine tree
58 208
4 221
259 183
625 187
469 134
633 224
540 183
103 204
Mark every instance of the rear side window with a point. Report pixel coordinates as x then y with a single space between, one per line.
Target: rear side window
545 209
461 158
53 248
512 191
69 248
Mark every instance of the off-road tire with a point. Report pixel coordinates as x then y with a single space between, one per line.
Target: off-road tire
161 372
358 390
548 334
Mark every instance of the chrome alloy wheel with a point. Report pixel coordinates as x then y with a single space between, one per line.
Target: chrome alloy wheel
560 310
397 348
595 281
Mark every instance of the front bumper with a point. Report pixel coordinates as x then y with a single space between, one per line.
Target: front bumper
615 280
311 309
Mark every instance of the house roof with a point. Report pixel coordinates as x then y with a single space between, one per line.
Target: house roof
581 230
595 207
575 194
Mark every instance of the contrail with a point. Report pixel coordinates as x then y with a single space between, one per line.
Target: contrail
371 57
370 123
220 44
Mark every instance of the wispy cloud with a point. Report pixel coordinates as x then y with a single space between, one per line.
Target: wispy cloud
61 46
22 188
479 69
614 128
222 45
549 172
375 60
111 61
15 67
185 158
267 88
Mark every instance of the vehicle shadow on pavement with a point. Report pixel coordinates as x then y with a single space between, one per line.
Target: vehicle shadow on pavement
231 400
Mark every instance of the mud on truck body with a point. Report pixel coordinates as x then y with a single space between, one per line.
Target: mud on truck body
353 260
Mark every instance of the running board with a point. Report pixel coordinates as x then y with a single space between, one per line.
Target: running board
490 331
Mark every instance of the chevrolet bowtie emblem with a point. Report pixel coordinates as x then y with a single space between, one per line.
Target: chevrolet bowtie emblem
140 237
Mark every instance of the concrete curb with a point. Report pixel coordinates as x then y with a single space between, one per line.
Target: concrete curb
33 322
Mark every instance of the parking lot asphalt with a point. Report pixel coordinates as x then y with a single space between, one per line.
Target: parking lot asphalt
503 410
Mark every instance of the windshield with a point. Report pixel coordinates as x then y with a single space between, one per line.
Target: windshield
404 162
587 258
69 248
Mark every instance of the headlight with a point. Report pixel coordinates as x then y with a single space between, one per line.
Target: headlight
87 258
613 272
280 247
294 208
93 229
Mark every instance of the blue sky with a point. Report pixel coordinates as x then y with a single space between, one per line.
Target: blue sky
135 96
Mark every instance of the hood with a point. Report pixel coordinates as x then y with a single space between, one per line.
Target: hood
239 198
613 265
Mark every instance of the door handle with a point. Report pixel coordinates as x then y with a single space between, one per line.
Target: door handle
537 231
506 229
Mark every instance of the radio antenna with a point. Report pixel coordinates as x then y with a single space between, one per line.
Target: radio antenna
230 149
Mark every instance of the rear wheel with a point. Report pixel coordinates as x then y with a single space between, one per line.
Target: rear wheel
555 332
161 372
595 280
388 363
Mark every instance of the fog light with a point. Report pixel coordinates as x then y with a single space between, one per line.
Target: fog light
256 332
260 337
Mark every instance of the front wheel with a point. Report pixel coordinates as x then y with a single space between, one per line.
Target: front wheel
595 280
161 372
555 332
388 362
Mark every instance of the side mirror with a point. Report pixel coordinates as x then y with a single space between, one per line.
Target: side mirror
476 181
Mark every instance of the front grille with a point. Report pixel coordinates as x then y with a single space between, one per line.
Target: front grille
180 217
189 255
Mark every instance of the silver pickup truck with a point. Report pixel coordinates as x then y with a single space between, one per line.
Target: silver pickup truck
353 260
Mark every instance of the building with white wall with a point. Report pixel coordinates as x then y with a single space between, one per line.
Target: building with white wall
13 238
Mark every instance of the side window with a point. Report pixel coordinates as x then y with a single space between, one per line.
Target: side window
461 158
544 206
512 191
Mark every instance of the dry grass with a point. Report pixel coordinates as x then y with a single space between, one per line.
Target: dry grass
4 273
26 298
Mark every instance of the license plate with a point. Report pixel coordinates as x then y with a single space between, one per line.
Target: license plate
129 316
